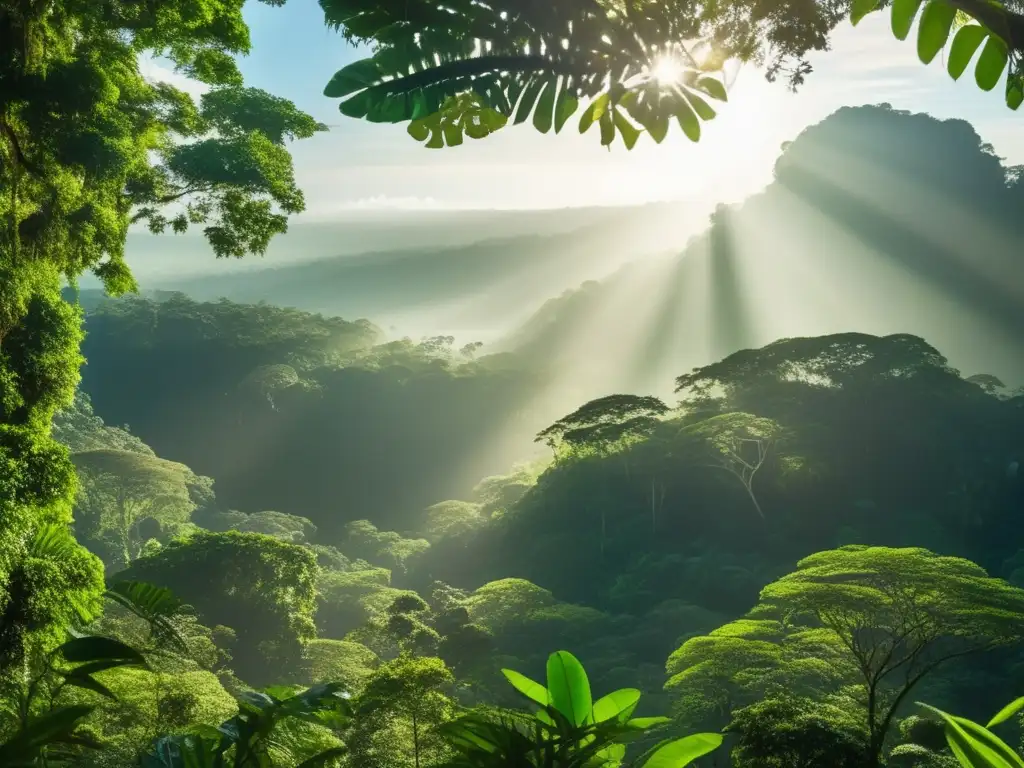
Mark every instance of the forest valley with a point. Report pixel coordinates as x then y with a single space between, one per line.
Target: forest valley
770 571
290 553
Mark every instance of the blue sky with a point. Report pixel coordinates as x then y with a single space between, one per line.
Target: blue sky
358 166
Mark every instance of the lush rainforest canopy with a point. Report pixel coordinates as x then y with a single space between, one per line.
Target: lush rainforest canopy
297 551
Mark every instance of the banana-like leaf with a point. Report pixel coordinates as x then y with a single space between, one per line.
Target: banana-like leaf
618 704
974 745
529 688
568 686
682 752
991 63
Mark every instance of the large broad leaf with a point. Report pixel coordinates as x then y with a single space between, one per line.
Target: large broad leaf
618 704
903 14
529 688
54 727
861 8
965 44
646 723
569 687
682 752
934 29
991 63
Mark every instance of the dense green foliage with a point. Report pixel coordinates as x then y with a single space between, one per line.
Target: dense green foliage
464 68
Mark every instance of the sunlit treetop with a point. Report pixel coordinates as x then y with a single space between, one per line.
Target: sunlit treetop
89 146
461 67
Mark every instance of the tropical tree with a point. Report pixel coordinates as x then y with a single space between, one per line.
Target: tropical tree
462 68
887 617
122 488
738 443
396 715
603 423
89 147
262 588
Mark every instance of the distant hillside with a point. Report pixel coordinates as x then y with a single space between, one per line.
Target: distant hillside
878 221
471 273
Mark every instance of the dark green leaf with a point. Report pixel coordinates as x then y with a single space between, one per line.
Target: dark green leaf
528 100
607 125
90 648
543 115
965 44
704 110
89 684
353 77
565 106
933 30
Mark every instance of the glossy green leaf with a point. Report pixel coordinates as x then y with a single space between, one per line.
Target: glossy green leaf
991 63
987 742
965 44
1006 712
621 702
934 28
543 115
713 87
568 685
861 8
682 752
529 688
593 112
903 13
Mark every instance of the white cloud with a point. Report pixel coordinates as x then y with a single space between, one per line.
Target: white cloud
158 71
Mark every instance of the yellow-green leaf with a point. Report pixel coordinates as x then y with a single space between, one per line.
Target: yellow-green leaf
861 8
627 130
903 13
565 106
568 686
620 702
991 63
594 111
965 45
1006 712
933 31
1014 92
701 107
682 752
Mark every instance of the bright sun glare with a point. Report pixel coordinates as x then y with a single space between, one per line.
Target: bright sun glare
667 70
